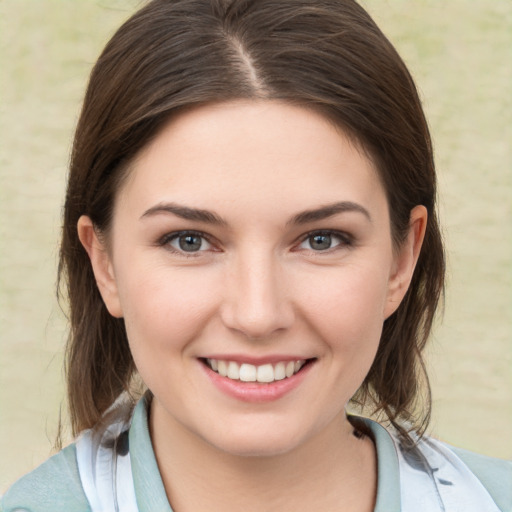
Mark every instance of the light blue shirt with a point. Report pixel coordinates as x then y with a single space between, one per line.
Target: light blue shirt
433 477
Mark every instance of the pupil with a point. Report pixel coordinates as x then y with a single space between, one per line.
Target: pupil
321 241
190 243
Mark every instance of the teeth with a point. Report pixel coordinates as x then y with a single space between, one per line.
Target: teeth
222 368
248 372
233 370
279 371
264 373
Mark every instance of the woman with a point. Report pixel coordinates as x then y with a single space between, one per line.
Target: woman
250 229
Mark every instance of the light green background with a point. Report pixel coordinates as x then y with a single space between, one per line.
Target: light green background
460 52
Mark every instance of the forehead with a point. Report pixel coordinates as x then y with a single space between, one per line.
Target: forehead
256 152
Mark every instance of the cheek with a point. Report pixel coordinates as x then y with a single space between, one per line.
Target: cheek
165 312
347 307
164 307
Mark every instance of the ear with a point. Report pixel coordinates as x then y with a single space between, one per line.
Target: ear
101 265
406 259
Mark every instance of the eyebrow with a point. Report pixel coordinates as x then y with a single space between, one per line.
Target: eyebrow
209 217
327 211
186 213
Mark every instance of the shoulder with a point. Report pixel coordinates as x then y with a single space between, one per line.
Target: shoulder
495 475
54 486
482 474
445 477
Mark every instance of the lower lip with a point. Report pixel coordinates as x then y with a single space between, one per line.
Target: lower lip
256 392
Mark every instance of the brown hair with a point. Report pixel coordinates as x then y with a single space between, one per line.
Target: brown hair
323 54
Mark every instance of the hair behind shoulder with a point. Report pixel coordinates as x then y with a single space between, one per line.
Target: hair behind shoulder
327 55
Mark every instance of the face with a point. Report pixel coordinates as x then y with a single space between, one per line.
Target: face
251 257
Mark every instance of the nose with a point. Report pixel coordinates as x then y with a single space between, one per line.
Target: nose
257 302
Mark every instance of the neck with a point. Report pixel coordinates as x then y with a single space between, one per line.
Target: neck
333 469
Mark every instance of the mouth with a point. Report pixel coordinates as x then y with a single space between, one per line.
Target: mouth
264 373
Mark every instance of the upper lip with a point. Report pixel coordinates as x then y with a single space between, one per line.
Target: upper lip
256 360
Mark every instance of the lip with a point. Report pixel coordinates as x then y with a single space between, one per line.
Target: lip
256 361
257 392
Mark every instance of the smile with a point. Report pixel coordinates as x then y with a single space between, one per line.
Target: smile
265 373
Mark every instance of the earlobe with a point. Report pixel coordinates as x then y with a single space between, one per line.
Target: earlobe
406 259
101 265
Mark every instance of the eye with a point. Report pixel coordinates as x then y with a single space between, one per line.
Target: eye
324 240
187 241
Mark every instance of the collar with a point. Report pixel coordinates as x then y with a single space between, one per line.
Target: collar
150 491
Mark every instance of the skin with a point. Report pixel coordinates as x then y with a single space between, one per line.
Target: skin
257 288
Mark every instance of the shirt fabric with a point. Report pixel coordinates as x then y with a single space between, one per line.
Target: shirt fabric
113 469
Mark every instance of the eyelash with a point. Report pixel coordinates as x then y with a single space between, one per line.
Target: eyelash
345 241
166 240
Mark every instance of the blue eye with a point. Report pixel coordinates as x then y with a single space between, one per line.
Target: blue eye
187 242
322 241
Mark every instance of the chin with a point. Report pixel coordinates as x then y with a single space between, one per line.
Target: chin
257 441
260 448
